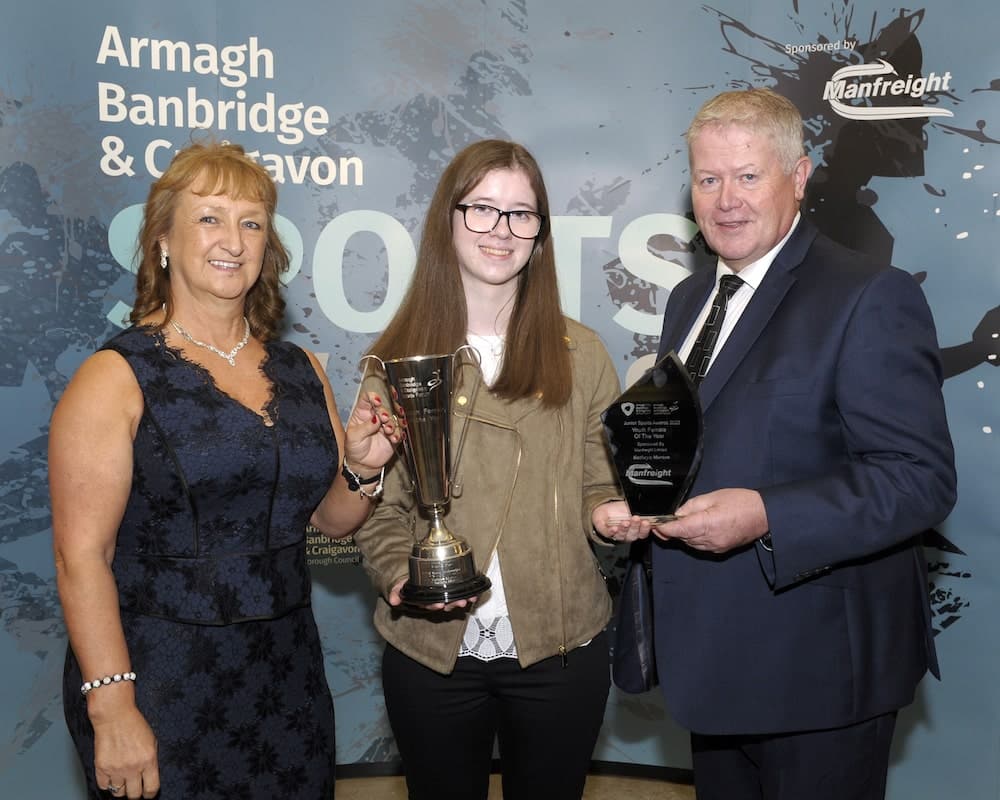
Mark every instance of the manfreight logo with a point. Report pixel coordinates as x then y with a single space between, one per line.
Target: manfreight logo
647 475
867 81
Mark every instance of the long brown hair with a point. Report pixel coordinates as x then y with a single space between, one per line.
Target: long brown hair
211 168
433 318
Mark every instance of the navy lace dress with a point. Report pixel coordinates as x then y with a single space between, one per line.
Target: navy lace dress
213 582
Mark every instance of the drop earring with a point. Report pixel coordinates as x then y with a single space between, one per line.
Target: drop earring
163 259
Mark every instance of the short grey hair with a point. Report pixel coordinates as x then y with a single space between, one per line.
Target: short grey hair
759 111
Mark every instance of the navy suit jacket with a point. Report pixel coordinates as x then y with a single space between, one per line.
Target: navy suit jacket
826 399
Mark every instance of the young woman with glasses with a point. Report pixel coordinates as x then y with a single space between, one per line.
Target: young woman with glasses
526 663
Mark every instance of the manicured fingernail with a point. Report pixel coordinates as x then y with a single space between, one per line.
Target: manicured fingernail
374 419
377 399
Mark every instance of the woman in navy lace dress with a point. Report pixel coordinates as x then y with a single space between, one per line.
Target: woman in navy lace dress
186 458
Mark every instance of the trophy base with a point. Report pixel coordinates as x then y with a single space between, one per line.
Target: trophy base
428 595
442 570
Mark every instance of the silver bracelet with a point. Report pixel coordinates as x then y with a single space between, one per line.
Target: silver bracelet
357 484
118 677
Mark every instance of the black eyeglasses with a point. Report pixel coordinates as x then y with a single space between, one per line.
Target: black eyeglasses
483 219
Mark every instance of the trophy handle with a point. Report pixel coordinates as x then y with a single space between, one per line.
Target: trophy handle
456 364
381 363
384 375
385 378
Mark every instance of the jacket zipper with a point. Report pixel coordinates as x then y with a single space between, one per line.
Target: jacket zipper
563 652
510 497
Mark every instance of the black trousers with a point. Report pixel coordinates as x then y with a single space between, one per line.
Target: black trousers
546 719
847 763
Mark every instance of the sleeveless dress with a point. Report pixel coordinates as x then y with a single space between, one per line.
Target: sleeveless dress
214 589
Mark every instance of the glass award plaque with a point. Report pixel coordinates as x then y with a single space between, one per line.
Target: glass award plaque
654 431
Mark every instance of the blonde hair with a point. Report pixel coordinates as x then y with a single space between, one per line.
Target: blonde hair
208 168
761 111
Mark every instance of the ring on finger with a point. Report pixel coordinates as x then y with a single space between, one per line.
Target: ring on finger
115 789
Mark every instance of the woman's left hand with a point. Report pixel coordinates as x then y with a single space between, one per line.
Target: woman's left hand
614 521
372 433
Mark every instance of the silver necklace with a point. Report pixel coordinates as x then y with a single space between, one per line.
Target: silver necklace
231 355
495 342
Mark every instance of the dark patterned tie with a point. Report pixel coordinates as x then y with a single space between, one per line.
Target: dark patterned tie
701 353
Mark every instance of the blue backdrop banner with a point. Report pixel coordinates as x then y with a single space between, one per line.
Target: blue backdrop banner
355 108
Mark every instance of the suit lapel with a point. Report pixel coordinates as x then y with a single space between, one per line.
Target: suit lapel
766 299
676 326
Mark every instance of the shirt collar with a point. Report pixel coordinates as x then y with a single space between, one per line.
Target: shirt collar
753 274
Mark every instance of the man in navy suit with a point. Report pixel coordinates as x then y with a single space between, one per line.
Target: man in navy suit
791 610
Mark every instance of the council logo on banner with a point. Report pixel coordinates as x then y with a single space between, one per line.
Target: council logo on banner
322 551
868 82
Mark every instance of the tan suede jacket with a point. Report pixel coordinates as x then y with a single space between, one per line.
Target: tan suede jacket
527 482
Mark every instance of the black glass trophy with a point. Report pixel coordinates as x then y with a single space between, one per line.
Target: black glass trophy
654 431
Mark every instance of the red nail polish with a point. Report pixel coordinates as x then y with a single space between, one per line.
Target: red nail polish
377 399
374 418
